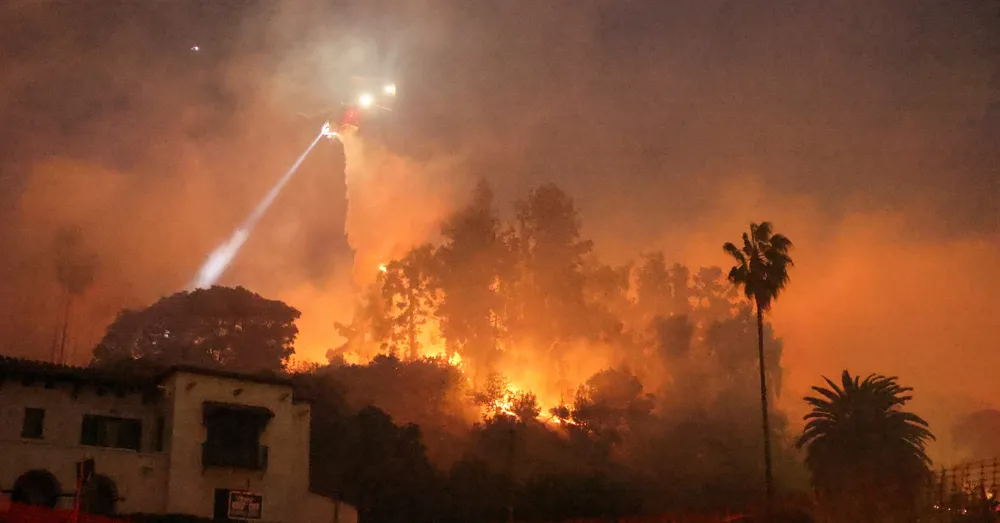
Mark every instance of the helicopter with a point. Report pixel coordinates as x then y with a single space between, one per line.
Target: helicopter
370 97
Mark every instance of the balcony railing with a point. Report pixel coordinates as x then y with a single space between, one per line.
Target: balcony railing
227 456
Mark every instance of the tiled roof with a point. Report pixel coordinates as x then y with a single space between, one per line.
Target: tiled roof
48 372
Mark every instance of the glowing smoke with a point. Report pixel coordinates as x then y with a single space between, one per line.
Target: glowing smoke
394 202
223 255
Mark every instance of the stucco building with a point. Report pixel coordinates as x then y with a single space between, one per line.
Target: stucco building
189 441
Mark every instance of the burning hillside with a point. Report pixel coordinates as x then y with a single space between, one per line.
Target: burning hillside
525 311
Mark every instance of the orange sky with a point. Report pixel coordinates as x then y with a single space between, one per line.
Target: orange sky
871 295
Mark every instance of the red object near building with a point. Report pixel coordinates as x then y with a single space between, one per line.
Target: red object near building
19 513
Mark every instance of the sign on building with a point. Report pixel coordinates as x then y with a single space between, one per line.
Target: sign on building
245 505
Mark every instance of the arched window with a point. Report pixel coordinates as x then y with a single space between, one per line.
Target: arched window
36 487
99 496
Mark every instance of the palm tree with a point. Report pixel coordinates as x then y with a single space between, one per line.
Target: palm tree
867 456
762 270
76 268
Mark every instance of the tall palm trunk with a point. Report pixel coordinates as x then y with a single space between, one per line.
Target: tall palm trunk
768 477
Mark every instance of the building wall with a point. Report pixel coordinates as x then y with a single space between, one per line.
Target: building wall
140 477
191 490
173 480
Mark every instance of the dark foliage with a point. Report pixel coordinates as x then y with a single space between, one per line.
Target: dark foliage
366 460
220 327
866 454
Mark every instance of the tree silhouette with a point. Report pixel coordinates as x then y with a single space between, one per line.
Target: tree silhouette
469 263
372 463
494 397
866 455
652 287
409 295
219 327
762 270
611 404
427 392
369 330
612 309
673 338
76 268
727 340
551 254
714 296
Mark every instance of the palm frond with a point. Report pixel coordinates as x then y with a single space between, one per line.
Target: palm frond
820 406
748 246
850 384
833 386
761 264
830 396
733 251
762 231
857 426
781 243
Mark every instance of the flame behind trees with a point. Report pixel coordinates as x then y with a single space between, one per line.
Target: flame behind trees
472 261
498 397
610 404
527 298
578 369
636 365
486 289
550 269
408 292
